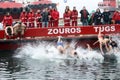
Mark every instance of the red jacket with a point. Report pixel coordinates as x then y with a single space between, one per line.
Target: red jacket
23 17
31 17
66 16
7 20
74 15
38 17
51 14
116 16
55 15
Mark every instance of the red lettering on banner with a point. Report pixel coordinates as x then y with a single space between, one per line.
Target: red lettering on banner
105 28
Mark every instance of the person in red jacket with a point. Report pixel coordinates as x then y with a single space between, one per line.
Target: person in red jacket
31 19
23 17
7 20
68 9
74 16
66 17
55 17
38 19
116 17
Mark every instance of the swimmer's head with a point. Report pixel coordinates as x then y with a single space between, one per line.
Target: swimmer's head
20 22
61 51
75 53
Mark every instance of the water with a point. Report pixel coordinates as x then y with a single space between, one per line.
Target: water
42 61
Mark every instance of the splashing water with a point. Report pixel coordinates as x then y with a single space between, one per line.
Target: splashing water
42 61
45 50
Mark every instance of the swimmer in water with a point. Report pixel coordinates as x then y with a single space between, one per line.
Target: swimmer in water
67 48
113 45
9 31
70 50
103 40
89 47
60 45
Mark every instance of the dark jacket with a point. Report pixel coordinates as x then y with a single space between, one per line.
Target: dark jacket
84 14
105 16
45 16
97 18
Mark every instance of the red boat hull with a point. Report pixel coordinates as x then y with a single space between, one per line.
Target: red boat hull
14 44
82 34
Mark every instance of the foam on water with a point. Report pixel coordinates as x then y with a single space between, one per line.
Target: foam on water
45 50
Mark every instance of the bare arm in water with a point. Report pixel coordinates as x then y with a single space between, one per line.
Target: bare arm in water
59 39
99 36
89 48
100 40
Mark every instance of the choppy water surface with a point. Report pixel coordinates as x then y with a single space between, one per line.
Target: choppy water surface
43 62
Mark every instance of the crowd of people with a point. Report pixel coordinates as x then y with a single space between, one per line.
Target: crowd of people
49 17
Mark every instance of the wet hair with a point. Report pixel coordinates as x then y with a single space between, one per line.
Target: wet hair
20 22
9 31
75 53
61 51
68 40
106 37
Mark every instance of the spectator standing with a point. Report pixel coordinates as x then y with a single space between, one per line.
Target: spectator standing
97 17
66 17
7 20
50 24
84 16
45 17
91 17
116 17
23 17
31 19
74 16
105 16
38 19
55 17
68 9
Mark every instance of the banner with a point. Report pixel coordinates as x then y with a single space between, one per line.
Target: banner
66 31
78 30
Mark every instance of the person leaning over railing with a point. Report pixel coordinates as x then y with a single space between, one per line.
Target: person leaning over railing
19 29
9 32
